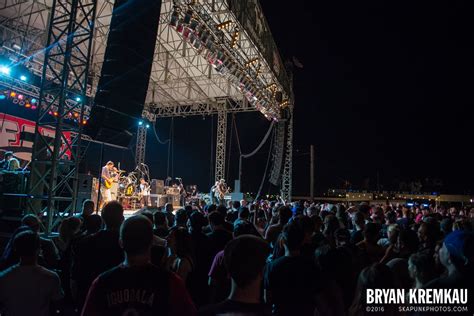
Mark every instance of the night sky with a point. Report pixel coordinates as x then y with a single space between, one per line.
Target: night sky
386 89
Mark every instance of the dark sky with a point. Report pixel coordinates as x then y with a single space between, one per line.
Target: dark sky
387 87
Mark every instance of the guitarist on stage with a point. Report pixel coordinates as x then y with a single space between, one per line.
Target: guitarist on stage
106 183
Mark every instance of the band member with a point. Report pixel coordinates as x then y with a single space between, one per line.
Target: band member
213 194
10 162
106 183
144 192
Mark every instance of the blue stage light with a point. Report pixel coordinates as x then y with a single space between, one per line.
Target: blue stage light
23 78
148 126
140 123
3 97
5 70
78 99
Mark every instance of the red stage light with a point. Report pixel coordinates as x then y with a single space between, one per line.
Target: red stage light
33 107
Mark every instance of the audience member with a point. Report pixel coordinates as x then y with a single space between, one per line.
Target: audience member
137 287
27 288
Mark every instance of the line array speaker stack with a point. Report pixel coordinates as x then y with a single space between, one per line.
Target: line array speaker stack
125 75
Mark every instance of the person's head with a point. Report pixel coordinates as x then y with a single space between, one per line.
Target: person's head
331 224
32 221
196 221
407 241
216 220
110 165
399 268
181 218
93 223
244 213
243 228
236 205
243 203
26 244
68 228
169 208
148 215
293 236
142 181
421 266
342 237
284 214
456 250
112 215
222 210
427 232
446 226
136 236
390 217
392 233
371 233
159 218
245 258
87 208
376 276
359 220
179 240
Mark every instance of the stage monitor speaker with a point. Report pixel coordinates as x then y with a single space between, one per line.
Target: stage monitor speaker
157 186
84 190
126 70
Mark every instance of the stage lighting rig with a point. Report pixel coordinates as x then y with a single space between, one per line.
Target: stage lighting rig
224 25
235 38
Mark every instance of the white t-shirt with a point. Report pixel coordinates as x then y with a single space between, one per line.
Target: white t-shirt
28 290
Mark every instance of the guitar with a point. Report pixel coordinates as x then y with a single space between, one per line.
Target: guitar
108 183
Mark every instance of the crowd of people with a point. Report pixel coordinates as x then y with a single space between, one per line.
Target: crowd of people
259 258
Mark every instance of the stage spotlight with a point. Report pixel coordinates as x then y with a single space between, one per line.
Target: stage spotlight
5 70
23 78
16 47
235 38
27 105
33 107
140 123
78 99
147 126
224 25
2 97
84 122
12 94
20 97
33 101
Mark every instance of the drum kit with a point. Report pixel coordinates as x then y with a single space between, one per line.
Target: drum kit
128 183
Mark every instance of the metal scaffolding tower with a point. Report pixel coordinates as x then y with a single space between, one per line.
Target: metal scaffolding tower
221 144
141 144
55 161
286 186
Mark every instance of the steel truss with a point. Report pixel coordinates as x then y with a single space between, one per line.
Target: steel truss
221 145
141 145
54 167
286 185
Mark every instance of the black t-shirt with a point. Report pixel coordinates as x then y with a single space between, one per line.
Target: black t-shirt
143 290
293 283
93 255
230 307
217 240
357 236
